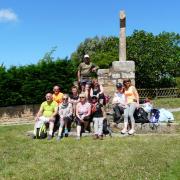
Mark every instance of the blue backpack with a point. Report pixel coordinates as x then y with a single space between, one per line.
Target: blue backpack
154 118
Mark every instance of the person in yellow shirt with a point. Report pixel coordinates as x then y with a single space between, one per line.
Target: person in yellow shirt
46 114
132 102
57 95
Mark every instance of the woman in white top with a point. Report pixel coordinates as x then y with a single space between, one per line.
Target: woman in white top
119 103
83 112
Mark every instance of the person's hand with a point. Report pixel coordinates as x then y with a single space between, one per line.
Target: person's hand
137 105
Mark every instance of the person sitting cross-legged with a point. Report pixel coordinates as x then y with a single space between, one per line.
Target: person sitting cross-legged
46 114
65 113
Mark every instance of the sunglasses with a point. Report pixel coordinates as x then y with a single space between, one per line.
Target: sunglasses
65 98
81 97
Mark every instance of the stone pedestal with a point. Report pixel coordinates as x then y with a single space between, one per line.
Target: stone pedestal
119 71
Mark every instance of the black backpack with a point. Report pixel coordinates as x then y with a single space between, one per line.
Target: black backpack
141 116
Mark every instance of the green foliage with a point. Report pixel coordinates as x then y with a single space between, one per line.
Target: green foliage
157 58
102 51
28 84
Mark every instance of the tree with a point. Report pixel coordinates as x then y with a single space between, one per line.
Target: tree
156 57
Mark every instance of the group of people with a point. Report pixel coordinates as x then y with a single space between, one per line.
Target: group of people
85 104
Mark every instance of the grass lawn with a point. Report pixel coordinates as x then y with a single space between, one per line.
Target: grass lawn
137 157
167 103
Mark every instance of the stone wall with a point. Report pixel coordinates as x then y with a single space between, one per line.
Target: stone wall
18 114
119 71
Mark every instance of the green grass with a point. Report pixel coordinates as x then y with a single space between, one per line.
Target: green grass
167 103
177 116
138 157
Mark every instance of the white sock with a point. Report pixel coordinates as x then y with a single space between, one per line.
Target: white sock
50 132
60 131
78 130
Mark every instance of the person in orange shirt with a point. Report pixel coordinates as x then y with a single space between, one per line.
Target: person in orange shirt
57 96
132 102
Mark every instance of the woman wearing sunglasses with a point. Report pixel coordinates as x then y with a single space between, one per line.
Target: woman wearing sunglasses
65 113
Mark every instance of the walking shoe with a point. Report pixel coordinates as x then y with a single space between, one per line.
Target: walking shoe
49 137
131 132
58 138
124 131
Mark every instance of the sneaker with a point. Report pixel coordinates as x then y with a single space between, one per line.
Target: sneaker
131 132
124 131
58 138
49 137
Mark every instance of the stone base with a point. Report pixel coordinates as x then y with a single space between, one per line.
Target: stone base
163 128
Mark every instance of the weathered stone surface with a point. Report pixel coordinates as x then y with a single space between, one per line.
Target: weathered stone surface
123 66
116 75
128 75
18 113
102 72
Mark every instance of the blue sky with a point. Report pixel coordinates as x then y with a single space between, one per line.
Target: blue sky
29 29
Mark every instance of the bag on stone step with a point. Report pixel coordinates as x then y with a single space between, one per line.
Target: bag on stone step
154 118
41 132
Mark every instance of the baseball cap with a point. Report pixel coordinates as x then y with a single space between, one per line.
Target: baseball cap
94 97
86 56
119 85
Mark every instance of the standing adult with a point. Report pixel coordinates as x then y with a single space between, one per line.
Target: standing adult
46 114
85 69
132 101
83 112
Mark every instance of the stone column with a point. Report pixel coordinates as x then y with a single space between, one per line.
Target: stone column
122 37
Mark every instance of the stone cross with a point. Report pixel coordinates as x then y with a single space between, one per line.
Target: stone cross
122 37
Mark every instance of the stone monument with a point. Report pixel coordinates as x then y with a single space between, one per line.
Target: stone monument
121 69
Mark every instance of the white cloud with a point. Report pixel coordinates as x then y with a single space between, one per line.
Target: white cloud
7 15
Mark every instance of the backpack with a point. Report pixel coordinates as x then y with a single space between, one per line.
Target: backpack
154 118
41 132
141 116
106 128
165 116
